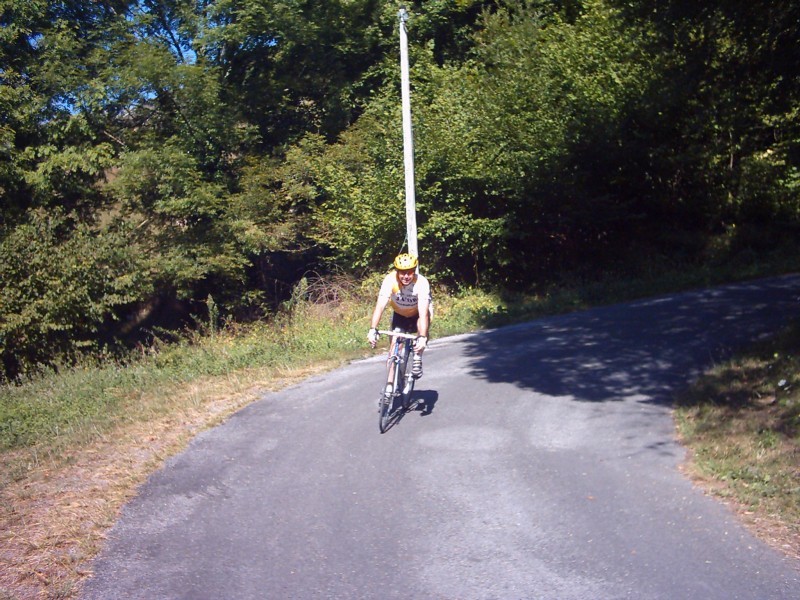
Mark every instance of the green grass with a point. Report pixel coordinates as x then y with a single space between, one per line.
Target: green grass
76 402
55 410
741 422
325 321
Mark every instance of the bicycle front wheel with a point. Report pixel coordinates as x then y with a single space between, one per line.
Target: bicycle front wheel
406 379
385 405
388 412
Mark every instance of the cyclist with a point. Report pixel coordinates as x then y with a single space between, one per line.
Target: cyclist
409 293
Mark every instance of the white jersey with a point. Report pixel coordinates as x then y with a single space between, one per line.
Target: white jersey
405 299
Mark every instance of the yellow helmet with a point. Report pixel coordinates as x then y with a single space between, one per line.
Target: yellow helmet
404 262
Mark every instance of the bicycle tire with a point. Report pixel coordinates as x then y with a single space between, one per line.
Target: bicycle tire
397 380
385 411
407 378
402 386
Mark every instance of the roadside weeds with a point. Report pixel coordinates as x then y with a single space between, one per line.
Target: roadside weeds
55 520
55 511
741 425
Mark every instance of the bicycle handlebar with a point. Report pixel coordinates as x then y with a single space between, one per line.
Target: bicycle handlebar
400 334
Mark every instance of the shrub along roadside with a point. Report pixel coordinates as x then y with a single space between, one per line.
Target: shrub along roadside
741 423
56 410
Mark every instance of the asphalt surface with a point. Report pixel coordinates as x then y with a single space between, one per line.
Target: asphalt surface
542 465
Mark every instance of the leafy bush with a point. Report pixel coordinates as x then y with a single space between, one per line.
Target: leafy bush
67 282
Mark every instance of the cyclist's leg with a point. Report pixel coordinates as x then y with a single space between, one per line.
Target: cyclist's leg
386 399
392 351
390 363
406 384
409 325
404 325
416 364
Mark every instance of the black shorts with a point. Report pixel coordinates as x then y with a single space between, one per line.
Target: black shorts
407 324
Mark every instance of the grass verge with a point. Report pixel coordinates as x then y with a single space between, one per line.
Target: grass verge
75 445
741 424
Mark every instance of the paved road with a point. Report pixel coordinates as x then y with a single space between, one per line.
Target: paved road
544 466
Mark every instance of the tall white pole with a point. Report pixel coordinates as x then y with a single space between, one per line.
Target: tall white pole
408 138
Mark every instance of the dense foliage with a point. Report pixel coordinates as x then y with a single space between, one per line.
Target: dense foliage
156 153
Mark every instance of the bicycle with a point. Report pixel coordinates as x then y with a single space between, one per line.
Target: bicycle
402 379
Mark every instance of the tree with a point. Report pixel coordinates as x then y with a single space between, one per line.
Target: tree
503 146
727 99
67 282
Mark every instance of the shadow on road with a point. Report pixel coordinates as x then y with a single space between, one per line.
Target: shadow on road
422 401
645 349
426 401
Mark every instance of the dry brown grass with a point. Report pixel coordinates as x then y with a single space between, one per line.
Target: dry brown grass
55 518
741 424
769 526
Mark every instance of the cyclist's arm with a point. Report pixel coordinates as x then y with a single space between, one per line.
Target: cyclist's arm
380 306
423 321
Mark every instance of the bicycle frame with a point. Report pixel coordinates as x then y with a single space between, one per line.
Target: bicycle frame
399 377
399 352
399 356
